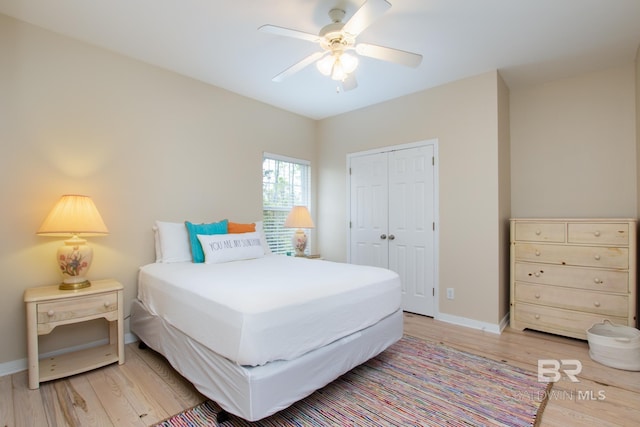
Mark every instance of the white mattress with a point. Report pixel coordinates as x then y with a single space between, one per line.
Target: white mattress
271 308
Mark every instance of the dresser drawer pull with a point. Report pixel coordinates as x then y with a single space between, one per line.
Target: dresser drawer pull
597 234
537 316
597 280
597 304
537 296
597 257
537 274
538 232
537 252
50 313
106 304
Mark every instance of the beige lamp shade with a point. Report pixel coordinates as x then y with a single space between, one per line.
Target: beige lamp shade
299 218
74 216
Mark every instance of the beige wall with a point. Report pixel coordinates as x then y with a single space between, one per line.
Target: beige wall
463 117
573 147
504 195
145 143
637 83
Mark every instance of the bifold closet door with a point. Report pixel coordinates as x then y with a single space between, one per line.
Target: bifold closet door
392 214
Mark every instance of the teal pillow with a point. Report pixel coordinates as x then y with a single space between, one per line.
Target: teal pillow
197 255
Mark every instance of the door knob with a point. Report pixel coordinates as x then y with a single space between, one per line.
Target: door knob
391 237
383 236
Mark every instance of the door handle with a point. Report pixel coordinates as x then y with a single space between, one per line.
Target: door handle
383 236
391 237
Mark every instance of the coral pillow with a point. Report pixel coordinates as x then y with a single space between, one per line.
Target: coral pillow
235 227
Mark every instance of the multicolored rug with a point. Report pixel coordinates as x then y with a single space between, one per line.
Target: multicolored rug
413 383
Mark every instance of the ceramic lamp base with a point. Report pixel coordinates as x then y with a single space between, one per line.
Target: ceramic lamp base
299 242
74 260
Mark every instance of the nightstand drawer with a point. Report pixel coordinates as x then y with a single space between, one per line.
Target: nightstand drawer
77 308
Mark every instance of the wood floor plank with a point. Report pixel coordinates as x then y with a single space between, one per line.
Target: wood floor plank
27 404
6 401
108 389
182 388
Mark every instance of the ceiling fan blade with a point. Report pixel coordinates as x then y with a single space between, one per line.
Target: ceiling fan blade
349 83
298 66
365 16
289 32
388 54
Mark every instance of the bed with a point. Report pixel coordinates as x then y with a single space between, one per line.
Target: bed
256 335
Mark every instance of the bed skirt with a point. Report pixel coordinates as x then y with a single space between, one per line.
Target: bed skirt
255 392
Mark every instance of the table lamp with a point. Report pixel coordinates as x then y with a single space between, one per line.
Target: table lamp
74 216
299 218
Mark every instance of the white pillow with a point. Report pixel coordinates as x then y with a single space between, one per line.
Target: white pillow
174 242
265 244
219 248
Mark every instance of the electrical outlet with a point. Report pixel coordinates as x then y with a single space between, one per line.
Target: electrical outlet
450 293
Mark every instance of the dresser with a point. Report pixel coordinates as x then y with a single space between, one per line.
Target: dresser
567 274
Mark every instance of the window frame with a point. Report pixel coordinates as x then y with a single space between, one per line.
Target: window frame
273 217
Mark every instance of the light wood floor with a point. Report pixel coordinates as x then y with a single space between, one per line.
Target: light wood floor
146 390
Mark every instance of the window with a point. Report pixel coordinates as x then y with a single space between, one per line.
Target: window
285 183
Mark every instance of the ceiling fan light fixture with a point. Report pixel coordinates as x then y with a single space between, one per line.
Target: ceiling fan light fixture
349 63
325 65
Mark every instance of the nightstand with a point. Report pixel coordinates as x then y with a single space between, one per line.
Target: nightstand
48 307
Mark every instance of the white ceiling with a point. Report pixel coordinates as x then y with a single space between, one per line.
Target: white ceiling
217 41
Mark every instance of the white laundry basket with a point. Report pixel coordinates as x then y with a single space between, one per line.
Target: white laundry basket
614 345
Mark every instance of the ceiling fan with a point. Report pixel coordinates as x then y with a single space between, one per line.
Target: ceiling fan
337 39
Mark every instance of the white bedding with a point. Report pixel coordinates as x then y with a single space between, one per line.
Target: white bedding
271 308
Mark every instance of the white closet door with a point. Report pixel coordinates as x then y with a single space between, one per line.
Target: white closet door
369 213
392 219
411 221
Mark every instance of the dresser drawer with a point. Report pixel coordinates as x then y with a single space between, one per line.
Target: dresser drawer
588 256
77 308
573 277
540 232
599 233
573 299
559 321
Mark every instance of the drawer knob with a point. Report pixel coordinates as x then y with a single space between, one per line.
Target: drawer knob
537 316
537 296
106 304
597 234
50 313
597 257
538 232
597 280
597 304
537 252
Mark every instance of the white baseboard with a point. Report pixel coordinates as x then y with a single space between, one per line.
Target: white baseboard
474 324
14 366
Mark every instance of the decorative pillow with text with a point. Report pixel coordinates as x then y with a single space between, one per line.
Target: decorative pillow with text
219 248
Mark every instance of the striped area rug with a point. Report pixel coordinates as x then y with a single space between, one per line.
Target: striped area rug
412 383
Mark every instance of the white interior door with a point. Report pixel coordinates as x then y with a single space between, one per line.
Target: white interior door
392 219
369 213
411 226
